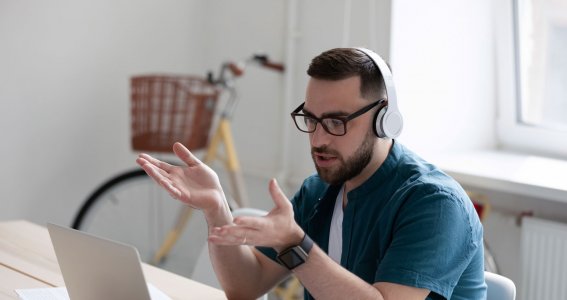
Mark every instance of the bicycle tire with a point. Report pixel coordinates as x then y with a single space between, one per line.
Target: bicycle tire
94 196
131 208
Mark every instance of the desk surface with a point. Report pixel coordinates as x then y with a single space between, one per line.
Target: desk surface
27 260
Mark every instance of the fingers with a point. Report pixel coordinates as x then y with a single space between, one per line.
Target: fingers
156 162
185 155
251 222
232 235
277 195
160 177
146 165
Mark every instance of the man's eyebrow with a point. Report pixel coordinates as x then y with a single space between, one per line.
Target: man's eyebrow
330 114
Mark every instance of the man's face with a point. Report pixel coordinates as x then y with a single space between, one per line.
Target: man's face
339 158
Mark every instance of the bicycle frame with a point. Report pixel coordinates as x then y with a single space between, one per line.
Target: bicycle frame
221 136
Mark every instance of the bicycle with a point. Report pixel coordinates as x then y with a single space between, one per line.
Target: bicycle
166 109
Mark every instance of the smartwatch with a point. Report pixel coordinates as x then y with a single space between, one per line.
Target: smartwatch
295 256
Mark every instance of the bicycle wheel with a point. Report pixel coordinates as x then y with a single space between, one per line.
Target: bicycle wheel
132 209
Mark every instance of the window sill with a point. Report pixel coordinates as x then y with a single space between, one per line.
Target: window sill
534 176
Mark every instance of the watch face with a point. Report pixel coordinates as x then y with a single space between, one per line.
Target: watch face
292 258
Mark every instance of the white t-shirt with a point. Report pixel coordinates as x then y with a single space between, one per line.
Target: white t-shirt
336 231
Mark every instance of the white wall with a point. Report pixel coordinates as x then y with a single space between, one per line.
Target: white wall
64 88
443 65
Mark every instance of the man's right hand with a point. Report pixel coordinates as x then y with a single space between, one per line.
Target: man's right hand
195 184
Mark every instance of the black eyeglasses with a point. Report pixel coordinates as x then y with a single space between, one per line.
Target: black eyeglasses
332 125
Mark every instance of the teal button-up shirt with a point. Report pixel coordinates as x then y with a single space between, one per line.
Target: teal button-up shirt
409 223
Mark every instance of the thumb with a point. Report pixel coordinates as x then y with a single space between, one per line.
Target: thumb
278 196
185 155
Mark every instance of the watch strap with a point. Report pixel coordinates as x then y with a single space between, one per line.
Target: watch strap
306 243
295 256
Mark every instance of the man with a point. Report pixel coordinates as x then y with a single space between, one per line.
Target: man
385 224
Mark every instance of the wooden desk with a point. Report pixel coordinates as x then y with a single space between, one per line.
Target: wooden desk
27 260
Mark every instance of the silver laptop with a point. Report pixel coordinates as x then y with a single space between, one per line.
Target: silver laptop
97 268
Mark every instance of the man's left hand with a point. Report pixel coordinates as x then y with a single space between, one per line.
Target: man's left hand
277 229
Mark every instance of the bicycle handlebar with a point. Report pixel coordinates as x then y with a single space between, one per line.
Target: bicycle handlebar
236 69
274 66
265 62
231 70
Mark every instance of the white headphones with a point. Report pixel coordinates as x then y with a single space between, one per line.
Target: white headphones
388 121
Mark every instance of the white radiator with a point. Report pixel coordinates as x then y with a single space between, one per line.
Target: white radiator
544 260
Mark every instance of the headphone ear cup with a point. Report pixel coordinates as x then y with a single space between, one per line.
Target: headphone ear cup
392 124
379 122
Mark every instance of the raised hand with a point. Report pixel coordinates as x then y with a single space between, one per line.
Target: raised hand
278 229
195 184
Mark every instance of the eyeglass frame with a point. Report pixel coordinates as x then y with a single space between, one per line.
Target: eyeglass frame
344 119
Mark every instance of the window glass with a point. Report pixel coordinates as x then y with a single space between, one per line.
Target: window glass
541 47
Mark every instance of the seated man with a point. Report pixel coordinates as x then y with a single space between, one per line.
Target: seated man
375 222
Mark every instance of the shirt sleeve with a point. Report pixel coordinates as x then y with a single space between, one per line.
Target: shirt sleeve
434 240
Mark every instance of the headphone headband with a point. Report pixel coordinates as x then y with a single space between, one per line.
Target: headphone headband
389 122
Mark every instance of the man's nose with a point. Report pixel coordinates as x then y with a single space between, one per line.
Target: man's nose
319 137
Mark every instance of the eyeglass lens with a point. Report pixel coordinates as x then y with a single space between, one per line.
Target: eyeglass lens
332 126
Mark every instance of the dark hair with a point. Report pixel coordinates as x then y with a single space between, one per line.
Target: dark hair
342 63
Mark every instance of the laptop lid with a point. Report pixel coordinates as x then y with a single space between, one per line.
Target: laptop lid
97 268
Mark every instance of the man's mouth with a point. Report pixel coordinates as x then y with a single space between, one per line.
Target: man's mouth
324 159
324 156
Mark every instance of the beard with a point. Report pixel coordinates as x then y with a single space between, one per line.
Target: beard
348 169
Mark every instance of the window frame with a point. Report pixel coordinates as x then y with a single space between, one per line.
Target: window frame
511 133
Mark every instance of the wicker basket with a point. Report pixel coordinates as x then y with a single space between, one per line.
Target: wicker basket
169 109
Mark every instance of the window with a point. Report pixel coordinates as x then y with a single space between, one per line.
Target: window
532 63
541 46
